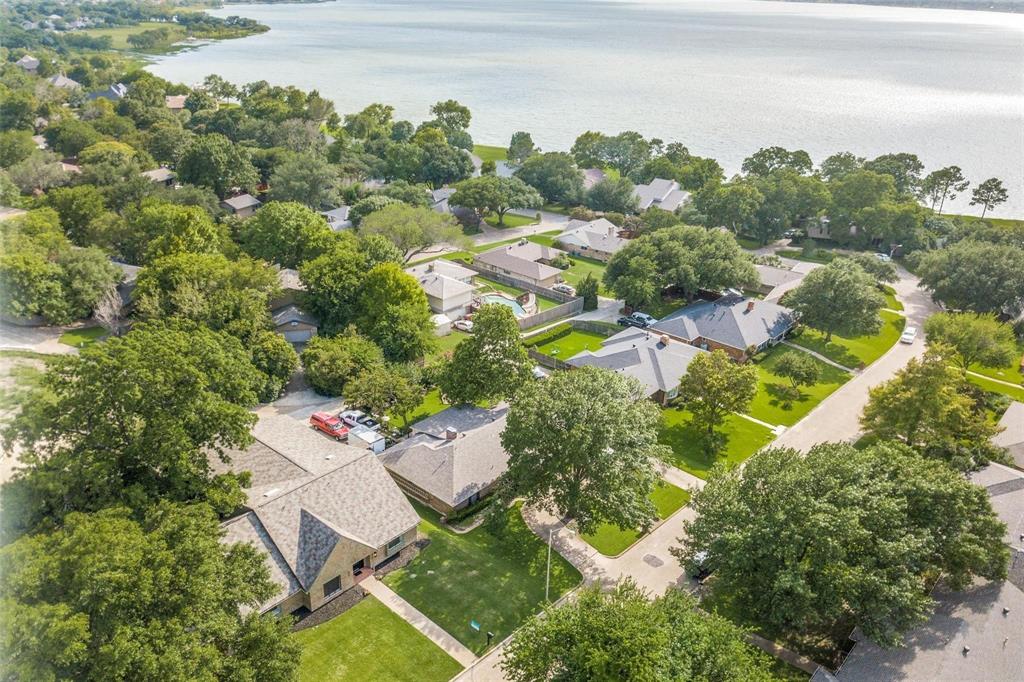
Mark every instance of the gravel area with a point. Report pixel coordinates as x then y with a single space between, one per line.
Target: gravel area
337 606
403 558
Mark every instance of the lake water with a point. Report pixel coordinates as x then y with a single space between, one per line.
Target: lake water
724 77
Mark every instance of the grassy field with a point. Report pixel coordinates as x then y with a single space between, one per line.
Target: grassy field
996 222
996 387
485 285
488 152
511 220
770 404
748 243
1009 373
85 336
568 346
856 351
820 256
664 306
611 540
495 579
370 642
119 34
744 438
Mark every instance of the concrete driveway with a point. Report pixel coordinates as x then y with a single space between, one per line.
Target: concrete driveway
837 418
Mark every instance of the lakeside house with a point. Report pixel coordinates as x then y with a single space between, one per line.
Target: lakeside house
243 205
974 634
28 64
452 459
175 103
324 514
656 360
660 193
592 176
161 176
62 81
294 323
114 93
738 325
598 239
337 218
524 260
449 287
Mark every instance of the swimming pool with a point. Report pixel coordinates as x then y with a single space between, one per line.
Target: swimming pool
517 309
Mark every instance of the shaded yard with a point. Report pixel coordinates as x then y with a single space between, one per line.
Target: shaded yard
744 438
856 351
1009 373
430 406
496 580
996 387
370 642
770 402
511 220
85 336
890 298
611 540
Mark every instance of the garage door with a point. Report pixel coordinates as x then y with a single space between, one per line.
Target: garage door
298 336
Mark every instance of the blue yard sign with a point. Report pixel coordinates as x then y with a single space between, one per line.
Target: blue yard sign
475 625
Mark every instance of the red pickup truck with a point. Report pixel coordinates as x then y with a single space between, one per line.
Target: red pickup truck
329 424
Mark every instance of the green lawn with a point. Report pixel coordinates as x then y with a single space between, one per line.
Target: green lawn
856 351
556 208
430 406
511 220
769 404
664 306
370 642
996 387
488 152
744 439
82 337
1010 372
820 256
611 540
496 580
890 299
485 285
748 243
568 346
119 34
449 342
1005 223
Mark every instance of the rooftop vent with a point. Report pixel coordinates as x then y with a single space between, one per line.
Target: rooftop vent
750 306
664 339
450 433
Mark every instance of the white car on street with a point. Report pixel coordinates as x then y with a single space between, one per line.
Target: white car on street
908 335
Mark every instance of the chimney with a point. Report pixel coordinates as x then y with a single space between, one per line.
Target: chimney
450 433
750 306
664 339
430 266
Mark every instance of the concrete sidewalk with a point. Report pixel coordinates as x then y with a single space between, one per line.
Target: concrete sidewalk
414 617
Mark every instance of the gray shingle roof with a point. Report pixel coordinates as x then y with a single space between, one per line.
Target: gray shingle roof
444 267
452 470
292 313
773 277
643 355
662 193
308 491
521 259
159 174
287 278
599 235
731 321
62 81
1012 435
242 201
443 288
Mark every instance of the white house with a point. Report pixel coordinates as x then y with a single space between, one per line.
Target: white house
660 193
448 286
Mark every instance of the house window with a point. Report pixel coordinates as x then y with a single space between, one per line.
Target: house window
394 545
331 586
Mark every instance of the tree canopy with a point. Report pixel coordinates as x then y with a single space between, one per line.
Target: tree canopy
157 597
800 542
622 634
412 229
491 194
714 387
974 338
838 298
332 361
975 276
583 444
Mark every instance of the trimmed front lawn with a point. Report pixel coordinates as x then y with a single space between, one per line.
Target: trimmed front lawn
611 540
664 307
769 404
78 338
568 346
580 268
1009 373
856 351
890 299
488 152
496 580
511 220
996 387
485 285
744 438
820 256
370 642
